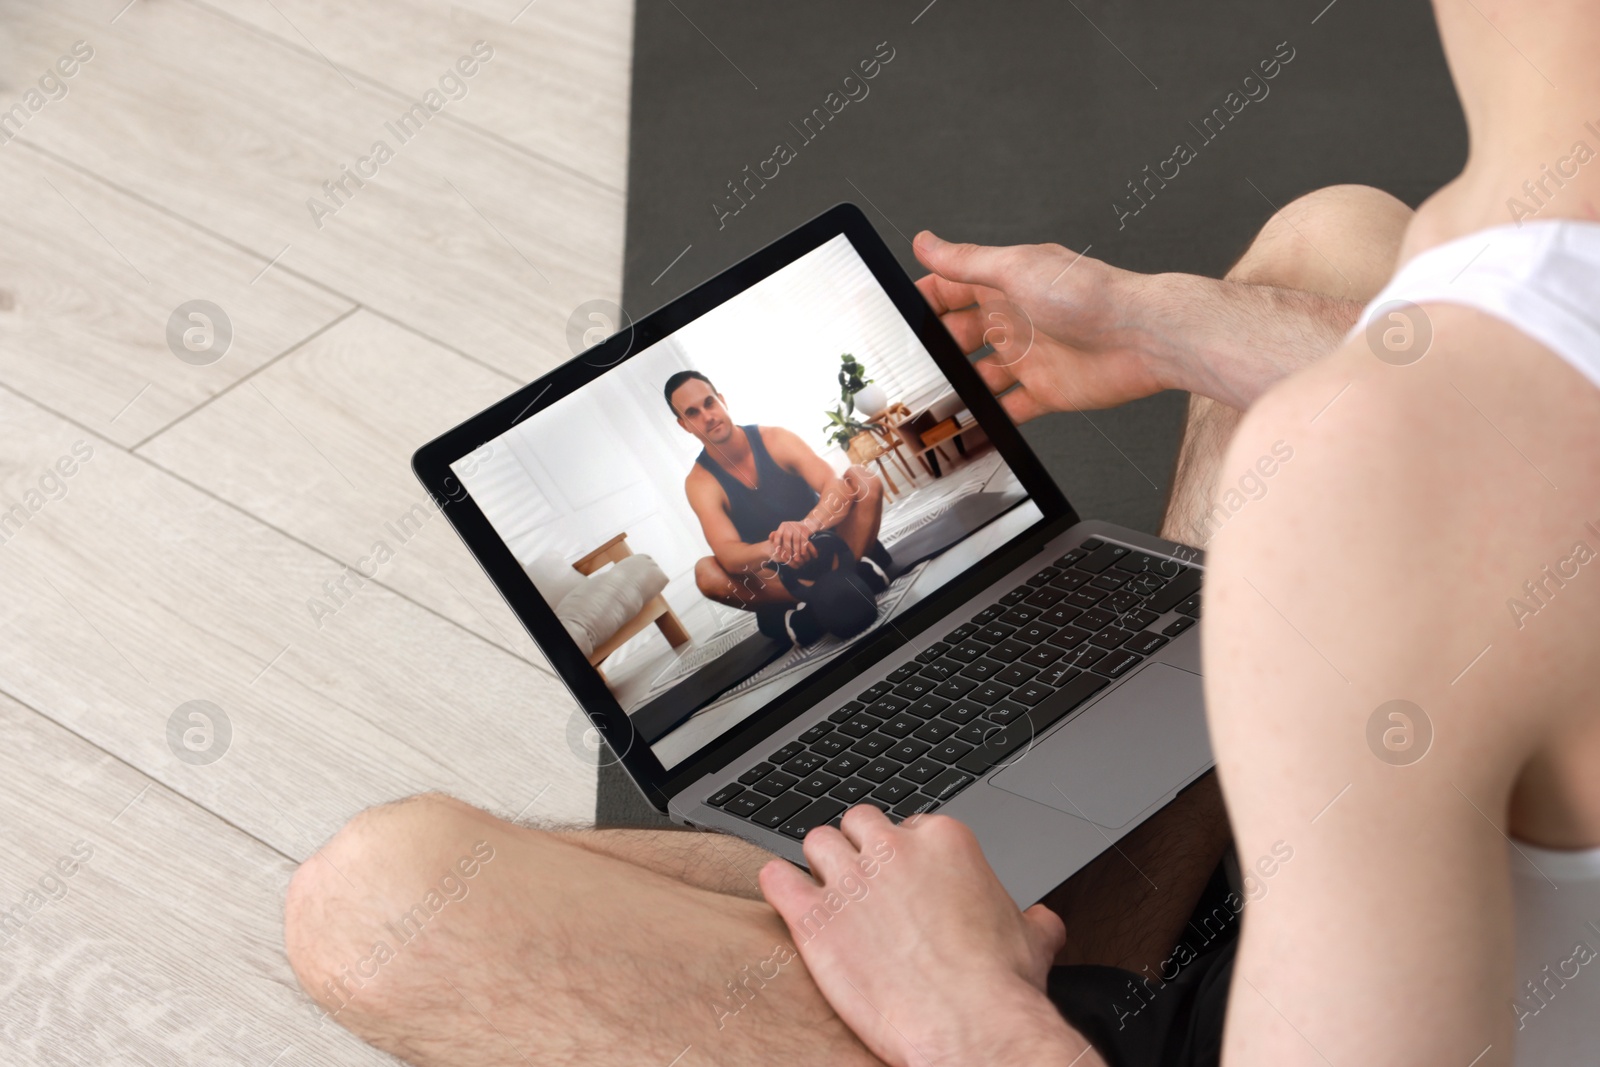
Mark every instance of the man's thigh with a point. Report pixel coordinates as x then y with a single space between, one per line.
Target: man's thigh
746 591
445 935
718 862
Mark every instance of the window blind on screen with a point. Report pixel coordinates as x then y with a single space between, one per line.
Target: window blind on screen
894 359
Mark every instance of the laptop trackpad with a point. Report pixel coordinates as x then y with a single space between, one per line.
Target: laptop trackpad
1123 754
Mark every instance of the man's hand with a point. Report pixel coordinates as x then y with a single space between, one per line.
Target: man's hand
919 948
1060 323
791 543
1077 334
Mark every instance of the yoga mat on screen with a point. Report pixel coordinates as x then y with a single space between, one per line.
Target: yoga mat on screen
1015 121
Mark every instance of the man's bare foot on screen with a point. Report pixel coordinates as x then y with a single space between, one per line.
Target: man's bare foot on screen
918 947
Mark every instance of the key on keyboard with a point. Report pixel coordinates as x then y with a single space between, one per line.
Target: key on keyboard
1015 737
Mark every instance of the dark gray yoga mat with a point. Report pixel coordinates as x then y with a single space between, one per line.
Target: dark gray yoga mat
1017 121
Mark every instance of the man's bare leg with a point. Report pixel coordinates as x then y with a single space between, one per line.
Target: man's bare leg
1129 907
718 862
859 528
1341 241
747 591
444 935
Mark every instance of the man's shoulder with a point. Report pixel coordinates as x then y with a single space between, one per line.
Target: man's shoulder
701 483
780 440
1399 514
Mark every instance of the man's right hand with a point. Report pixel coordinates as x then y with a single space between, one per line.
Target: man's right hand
790 544
1059 323
1076 334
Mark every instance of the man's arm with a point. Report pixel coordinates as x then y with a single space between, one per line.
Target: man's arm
710 505
1232 341
834 496
1372 705
1079 334
790 541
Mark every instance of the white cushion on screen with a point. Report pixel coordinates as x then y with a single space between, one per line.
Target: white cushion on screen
603 603
553 577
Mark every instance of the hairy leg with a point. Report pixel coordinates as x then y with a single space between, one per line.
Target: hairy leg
1340 241
748 591
1190 516
721 863
1128 908
445 935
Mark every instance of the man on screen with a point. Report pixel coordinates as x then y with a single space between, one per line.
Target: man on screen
761 493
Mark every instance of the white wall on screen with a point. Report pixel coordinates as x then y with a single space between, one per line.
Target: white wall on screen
611 458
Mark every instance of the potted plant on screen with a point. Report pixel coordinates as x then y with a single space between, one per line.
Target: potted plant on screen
858 392
854 386
842 427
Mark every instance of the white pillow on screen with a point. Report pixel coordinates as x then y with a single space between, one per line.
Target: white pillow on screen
553 577
606 601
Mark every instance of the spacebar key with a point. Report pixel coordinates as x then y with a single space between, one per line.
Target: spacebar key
1002 744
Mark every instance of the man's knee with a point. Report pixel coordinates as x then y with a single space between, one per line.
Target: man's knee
710 578
714 583
717 584
383 880
865 487
1341 240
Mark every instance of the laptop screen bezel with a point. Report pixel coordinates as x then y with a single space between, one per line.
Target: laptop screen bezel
432 465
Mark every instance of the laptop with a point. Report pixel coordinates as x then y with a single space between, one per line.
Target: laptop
1007 663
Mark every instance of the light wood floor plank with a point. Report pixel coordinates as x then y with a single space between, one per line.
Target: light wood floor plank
558 83
340 418
88 281
179 166
478 244
135 927
129 593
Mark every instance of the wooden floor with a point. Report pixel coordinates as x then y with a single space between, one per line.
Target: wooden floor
179 530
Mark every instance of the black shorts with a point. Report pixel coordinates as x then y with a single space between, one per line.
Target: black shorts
1139 1020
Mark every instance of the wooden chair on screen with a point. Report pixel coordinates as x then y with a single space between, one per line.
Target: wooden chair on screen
655 609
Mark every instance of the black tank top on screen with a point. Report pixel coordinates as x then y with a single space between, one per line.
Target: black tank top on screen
778 497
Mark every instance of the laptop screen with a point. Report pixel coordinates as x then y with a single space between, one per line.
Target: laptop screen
730 509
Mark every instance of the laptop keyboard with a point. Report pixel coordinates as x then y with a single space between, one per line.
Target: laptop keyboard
965 704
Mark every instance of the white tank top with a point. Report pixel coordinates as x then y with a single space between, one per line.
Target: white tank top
1541 277
1556 1006
1544 279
